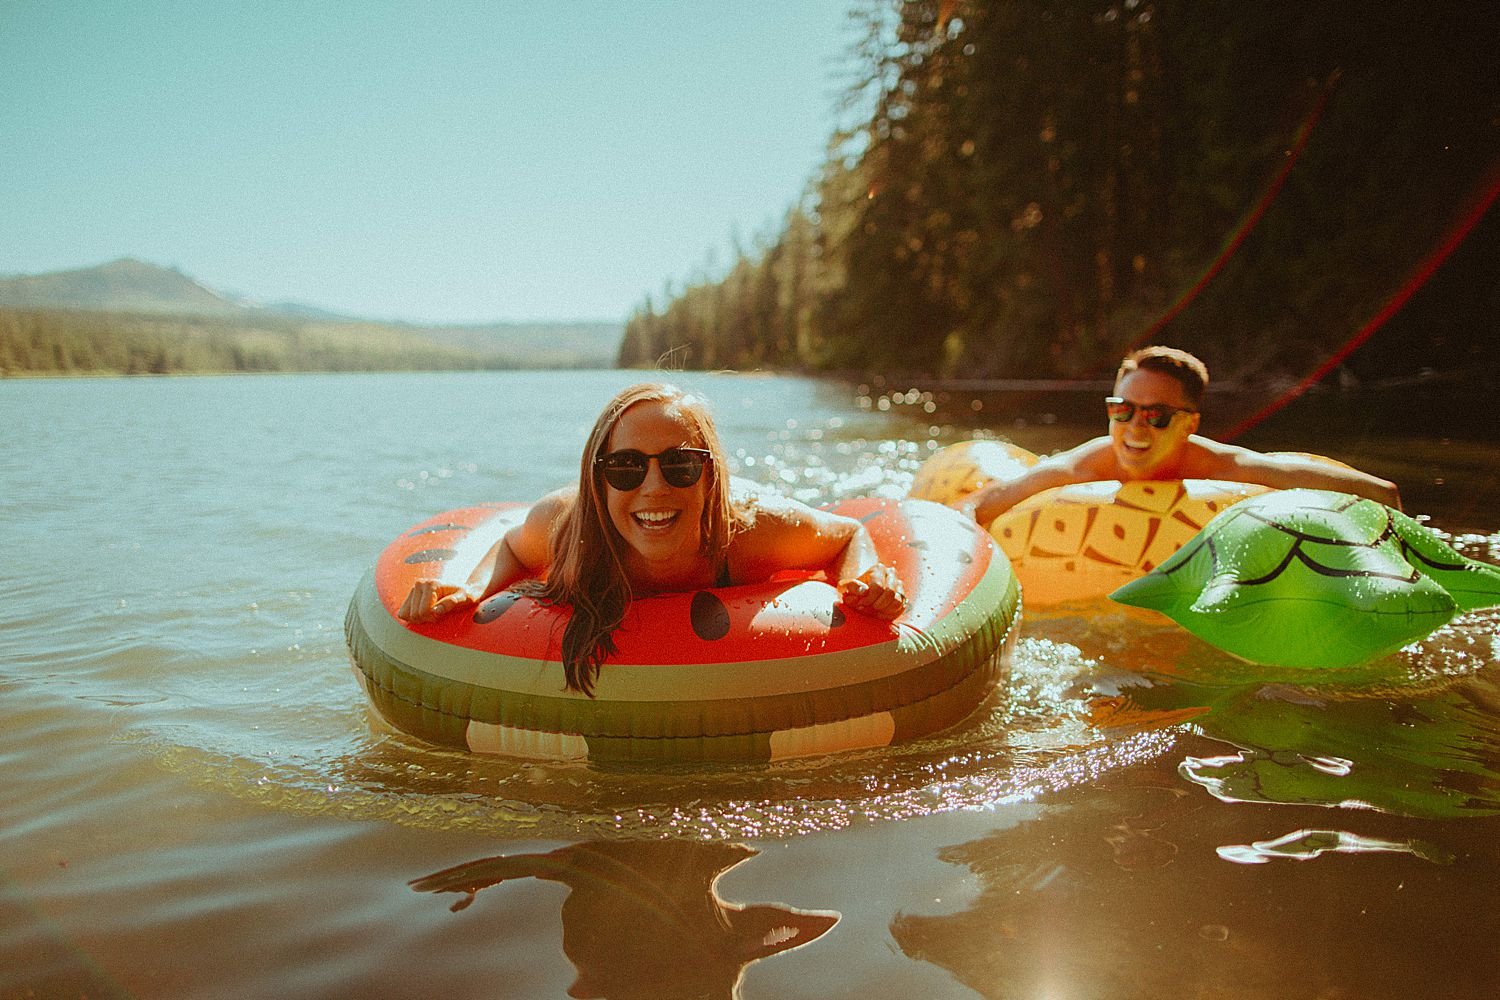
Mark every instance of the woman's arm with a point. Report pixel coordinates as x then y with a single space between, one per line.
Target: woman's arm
790 535
864 582
521 552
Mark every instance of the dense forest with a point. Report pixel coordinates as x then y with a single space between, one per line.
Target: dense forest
1029 188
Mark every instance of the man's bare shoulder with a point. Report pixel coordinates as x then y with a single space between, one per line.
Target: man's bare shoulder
1087 462
1204 458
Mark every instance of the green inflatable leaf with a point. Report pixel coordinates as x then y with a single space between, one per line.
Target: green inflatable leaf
1308 578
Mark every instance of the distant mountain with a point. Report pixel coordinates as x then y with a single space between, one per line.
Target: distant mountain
124 285
131 286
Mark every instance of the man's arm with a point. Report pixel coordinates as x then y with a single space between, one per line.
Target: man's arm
1286 471
1087 462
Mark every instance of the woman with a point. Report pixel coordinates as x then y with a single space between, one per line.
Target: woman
653 512
683 939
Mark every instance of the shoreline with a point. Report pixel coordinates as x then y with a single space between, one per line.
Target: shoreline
1450 404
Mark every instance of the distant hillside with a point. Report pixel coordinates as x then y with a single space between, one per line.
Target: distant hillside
132 316
124 285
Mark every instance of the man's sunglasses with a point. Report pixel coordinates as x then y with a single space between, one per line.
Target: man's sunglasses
680 467
1158 415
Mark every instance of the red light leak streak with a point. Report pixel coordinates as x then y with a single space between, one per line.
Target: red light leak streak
1251 219
1457 233
1247 223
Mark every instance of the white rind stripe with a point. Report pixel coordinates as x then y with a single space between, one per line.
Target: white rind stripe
863 733
476 544
485 737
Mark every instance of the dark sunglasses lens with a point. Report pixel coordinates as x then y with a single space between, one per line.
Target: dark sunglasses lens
681 468
625 471
1120 412
1158 418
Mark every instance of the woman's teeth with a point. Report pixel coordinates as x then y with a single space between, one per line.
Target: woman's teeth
655 518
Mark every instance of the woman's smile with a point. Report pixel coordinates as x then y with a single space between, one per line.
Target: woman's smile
656 520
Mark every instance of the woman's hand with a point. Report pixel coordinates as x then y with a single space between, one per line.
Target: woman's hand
876 591
430 599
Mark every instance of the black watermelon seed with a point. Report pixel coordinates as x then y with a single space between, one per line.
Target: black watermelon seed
434 529
709 616
495 606
430 555
831 618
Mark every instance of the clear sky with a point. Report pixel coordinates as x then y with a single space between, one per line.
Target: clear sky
437 161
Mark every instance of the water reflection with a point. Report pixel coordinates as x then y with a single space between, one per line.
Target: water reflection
1434 755
1306 844
645 919
1125 890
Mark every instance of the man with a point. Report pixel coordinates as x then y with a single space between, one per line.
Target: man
1153 419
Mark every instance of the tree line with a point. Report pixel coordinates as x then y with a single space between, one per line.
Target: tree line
1029 188
90 342
50 341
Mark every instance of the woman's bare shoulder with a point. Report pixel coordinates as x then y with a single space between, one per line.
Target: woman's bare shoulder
782 533
755 505
558 499
552 506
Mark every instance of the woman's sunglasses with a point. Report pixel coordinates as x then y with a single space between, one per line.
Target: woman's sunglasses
680 467
1158 415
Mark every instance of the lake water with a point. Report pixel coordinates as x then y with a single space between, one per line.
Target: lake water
193 802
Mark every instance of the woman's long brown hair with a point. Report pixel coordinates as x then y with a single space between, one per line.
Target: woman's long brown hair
587 554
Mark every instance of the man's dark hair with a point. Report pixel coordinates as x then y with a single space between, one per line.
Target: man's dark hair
1189 372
